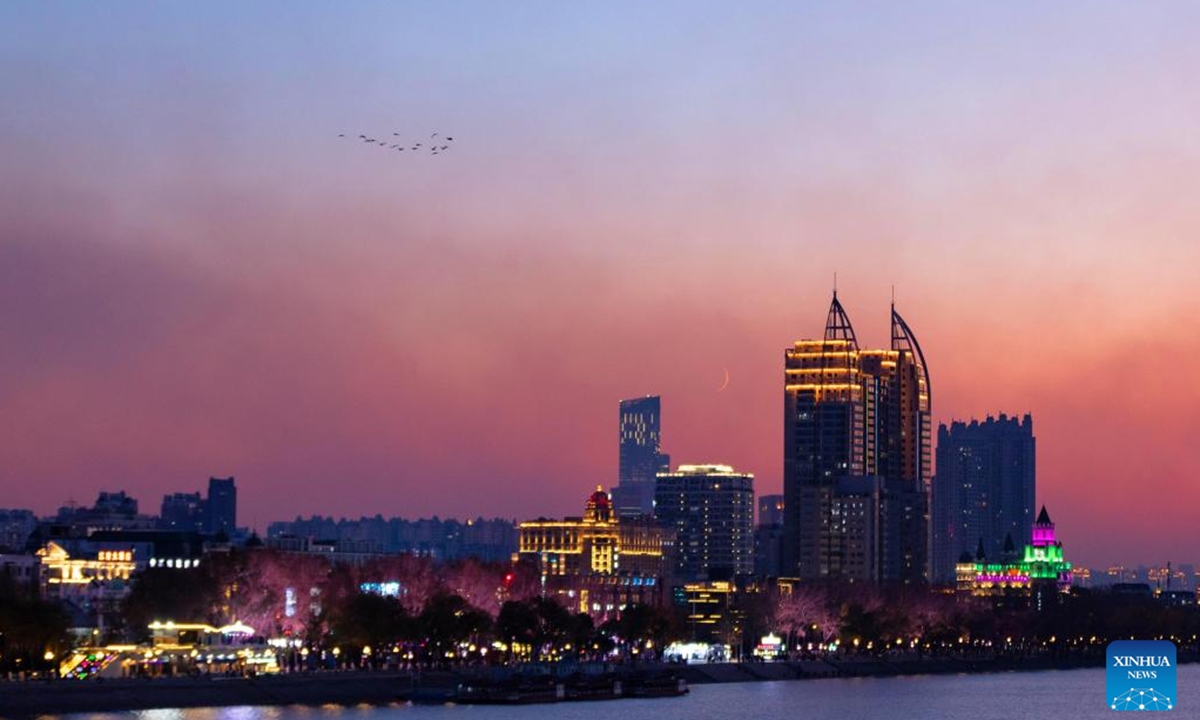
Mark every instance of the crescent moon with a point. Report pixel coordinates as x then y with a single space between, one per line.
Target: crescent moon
726 383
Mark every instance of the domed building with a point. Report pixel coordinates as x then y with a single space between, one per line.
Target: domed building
597 562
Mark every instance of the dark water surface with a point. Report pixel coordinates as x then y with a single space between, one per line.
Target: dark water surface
999 696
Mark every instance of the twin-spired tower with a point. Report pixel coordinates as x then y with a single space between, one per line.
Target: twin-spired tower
857 449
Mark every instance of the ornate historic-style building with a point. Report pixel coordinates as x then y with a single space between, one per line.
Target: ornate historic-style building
599 562
1039 568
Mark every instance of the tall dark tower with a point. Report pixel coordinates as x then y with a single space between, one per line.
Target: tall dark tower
900 451
641 457
856 456
823 436
220 508
985 488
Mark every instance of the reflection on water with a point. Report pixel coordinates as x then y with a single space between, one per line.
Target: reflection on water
1001 696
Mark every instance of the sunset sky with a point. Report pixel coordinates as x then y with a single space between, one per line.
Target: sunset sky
198 277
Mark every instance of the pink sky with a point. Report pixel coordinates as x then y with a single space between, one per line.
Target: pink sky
197 277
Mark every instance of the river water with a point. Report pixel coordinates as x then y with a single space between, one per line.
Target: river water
1056 694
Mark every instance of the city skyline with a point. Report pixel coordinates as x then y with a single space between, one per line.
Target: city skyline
200 279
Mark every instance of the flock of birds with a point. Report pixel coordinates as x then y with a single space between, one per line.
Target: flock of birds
434 146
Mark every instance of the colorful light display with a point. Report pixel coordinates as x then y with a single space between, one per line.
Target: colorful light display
1041 562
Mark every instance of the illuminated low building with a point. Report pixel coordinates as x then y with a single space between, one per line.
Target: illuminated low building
1040 567
177 648
713 612
769 647
90 584
598 562
60 569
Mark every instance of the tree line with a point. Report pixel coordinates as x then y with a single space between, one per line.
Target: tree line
419 611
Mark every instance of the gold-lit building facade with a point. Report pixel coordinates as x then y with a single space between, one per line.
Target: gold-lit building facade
856 413
712 610
62 573
91 584
598 562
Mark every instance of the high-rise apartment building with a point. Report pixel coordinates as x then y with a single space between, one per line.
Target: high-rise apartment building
770 510
221 507
984 490
711 510
641 456
768 536
857 456
16 525
183 511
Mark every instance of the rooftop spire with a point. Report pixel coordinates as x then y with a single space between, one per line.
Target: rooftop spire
837 324
904 340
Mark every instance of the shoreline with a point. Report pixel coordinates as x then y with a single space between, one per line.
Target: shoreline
349 688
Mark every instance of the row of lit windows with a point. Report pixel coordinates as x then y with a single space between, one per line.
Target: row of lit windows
178 563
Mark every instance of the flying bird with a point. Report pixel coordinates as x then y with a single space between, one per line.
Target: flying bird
434 148
726 383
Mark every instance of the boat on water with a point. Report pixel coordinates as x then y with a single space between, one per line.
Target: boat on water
507 693
522 688
661 685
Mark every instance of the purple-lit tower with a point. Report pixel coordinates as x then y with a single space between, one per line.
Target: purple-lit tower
1043 530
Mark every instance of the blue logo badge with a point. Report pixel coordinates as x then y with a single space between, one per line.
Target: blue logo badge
1141 675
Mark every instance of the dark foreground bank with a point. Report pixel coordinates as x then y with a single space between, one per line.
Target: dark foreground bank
27 699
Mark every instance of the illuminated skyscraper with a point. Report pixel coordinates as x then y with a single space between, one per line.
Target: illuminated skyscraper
984 490
856 456
641 456
710 508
